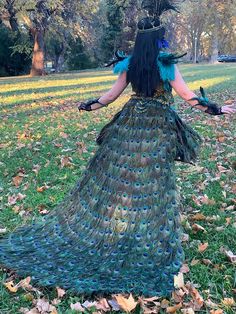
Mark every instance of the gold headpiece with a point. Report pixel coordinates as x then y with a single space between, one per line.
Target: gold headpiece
152 29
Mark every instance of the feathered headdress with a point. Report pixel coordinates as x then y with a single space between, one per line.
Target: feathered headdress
155 8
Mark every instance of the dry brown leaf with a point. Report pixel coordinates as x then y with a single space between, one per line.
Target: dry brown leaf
33 311
231 256
228 301
222 169
77 307
185 237
198 216
179 294
63 135
221 139
174 308
197 300
42 188
164 303
184 268
151 299
10 286
87 304
24 283
197 227
103 305
207 261
66 162
126 304
42 305
60 292
196 200
202 247
194 262
188 311
17 180
179 280
211 304
219 311
206 200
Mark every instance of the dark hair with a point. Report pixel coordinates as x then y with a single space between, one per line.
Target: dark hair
143 73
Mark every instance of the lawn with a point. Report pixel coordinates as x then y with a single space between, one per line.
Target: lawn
46 143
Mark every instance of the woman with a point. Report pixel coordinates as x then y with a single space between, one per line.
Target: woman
119 229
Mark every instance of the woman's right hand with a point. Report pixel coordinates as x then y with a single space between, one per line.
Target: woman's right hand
229 109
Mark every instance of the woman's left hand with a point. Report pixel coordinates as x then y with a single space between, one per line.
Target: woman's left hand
89 105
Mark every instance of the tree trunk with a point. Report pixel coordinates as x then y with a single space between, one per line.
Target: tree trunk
60 58
215 39
37 68
215 49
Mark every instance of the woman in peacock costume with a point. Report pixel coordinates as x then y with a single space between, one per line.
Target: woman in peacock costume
119 229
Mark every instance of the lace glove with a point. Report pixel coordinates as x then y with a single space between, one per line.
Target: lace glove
212 108
87 105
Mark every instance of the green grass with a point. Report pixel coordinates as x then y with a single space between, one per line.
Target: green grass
40 125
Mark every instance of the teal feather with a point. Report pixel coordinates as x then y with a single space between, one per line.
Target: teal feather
122 66
167 70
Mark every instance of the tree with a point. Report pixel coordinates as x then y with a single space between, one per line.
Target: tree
39 16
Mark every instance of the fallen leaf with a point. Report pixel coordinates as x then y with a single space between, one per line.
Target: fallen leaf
211 304
197 301
184 268
126 304
115 306
66 162
103 305
197 227
88 304
10 286
164 303
42 305
219 311
42 188
17 180
198 216
179 280
194 262
231 256
202 247
60 292
33 311
173 309
228 301
77 307
188 311
63 135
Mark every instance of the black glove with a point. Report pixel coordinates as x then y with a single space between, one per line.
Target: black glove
87 105
212 108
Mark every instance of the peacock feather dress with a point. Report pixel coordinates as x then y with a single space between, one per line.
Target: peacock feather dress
118 229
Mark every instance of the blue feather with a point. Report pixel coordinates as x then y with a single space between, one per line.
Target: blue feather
167 71
122 66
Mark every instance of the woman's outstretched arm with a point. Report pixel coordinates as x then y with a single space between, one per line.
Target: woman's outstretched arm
115 91
185 93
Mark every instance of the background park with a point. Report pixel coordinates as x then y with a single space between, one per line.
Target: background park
52 55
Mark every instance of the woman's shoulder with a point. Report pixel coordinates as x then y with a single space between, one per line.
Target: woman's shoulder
122 65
